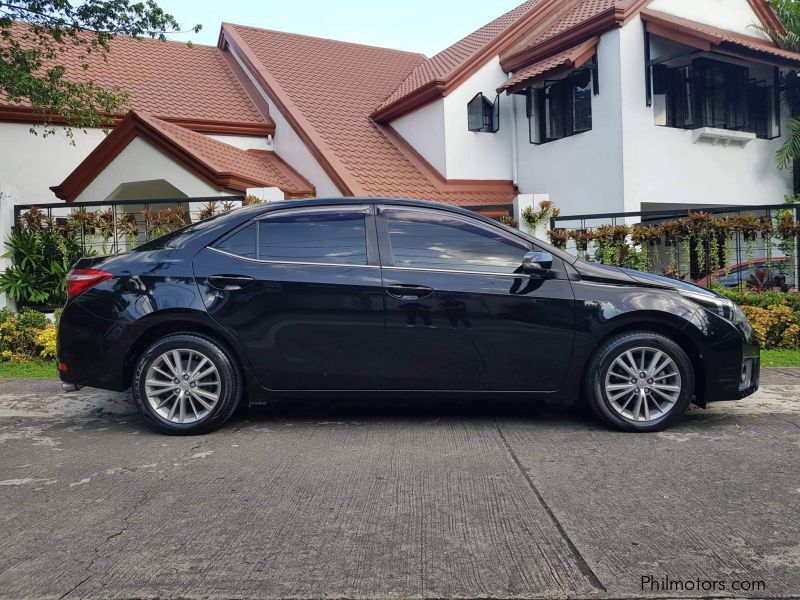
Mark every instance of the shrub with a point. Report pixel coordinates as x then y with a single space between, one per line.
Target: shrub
775 316
776 327
46 341
25 335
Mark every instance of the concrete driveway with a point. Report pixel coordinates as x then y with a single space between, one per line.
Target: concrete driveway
387 500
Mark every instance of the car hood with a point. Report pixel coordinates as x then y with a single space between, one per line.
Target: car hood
597 272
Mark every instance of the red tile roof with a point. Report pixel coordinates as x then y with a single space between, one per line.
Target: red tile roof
168 79
568 59
444 65
329 88
222 165
711 37
262 168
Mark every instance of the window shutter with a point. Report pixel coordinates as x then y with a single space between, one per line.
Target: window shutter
475 113
495 126
582 102
529 94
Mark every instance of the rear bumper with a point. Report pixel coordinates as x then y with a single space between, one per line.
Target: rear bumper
93 350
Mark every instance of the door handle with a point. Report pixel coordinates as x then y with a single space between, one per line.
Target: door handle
408 291
230 282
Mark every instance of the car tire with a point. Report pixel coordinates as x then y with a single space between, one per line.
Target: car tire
205 385
657 398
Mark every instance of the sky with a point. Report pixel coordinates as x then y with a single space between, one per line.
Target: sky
425 26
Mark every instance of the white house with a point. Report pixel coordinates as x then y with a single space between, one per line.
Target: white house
605 105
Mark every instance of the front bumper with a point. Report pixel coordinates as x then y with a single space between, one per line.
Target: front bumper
737 375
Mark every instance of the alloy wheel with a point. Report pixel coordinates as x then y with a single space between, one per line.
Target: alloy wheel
183 386
643 384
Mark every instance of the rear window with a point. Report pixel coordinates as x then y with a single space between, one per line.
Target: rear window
327 236
242 243
330 237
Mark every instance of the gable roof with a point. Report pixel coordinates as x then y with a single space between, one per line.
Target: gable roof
707 37
434 76
194 85
220 164
326 90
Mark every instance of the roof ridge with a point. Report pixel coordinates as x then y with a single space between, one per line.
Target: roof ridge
317 37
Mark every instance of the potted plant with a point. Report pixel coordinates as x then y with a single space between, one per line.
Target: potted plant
559 237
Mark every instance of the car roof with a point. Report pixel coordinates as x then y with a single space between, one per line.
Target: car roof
345 200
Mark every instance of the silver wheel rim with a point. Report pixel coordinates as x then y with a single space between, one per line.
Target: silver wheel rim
183 386
643 384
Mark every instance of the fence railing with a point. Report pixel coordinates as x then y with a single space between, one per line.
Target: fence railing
755 245
108 227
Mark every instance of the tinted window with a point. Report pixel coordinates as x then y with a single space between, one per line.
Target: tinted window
338 237
437 241
242 243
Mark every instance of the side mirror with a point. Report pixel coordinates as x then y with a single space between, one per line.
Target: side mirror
537 263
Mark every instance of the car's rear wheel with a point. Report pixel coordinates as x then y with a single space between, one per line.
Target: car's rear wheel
639 381
186 384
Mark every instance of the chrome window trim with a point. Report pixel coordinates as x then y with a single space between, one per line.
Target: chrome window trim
361 209
457 272
289 262
340 265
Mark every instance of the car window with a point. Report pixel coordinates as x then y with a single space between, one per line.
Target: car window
241 243
330 236
436 240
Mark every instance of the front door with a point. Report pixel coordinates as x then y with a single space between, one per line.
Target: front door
300 289
460 315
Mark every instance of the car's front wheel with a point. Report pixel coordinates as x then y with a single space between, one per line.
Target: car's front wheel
186 384
639 381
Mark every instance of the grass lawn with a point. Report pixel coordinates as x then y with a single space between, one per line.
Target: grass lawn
35 367
780 358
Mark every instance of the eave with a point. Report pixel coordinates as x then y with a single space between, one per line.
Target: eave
25 114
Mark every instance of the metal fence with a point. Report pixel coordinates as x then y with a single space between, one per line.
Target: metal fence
753 246
109 227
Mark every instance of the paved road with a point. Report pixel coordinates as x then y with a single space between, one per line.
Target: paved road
381 500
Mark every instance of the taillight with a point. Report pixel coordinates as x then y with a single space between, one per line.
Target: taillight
80 280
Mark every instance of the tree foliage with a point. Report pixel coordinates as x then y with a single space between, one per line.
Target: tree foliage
788 11
35 35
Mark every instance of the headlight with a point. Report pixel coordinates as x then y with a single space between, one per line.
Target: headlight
727 309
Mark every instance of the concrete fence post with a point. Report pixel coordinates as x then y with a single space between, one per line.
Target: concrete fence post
522 202
9 197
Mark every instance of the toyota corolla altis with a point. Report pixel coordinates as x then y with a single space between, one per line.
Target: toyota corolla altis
395 298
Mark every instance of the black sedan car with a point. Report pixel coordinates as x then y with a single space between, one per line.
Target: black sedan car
382 297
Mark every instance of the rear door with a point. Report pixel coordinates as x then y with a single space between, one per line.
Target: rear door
301 290
460 314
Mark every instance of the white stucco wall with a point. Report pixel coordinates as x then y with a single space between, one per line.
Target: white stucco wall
473 155
141 161
424 130
31 163
245 142
582 173
733 15
662 165
290 147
